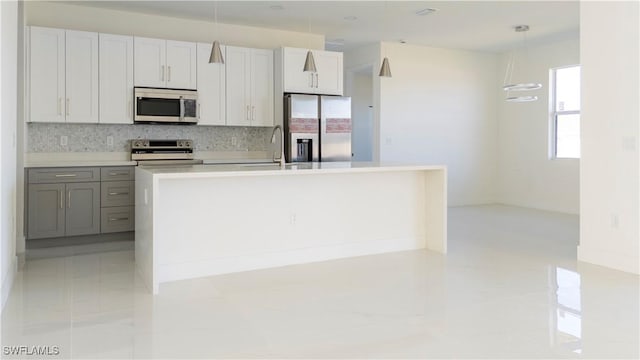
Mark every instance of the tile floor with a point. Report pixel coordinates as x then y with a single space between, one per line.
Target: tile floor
509 287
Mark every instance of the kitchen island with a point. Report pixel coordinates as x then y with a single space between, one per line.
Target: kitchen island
203 220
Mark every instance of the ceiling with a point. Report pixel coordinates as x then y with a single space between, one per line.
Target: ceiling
470 25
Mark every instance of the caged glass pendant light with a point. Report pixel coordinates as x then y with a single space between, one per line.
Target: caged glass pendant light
525 86
216 52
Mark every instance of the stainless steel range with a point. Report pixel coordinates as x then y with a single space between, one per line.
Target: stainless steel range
163 152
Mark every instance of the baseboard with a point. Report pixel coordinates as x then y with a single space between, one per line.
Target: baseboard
7 282
619 261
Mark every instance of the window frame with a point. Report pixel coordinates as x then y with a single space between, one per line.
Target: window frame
553 113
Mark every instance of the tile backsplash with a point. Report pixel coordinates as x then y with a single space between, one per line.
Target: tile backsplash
45 138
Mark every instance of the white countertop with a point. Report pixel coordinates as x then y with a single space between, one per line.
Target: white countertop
36 160
202 171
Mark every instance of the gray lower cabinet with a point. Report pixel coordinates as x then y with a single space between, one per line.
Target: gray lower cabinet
79 201
117 199
46 211
63 210
83 209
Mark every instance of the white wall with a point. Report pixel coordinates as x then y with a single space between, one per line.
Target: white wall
610 165
85 18
8 116
440 108
361 93
354 61
526 175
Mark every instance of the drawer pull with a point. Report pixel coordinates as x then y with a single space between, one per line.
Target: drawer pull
69 199
119 219
118 193
118 173
61 199
66 175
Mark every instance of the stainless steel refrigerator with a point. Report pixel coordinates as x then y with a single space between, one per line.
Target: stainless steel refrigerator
317 128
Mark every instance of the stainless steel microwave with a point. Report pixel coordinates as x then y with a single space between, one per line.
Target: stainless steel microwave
165 106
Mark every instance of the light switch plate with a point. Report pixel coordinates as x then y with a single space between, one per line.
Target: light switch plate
63 140
109 140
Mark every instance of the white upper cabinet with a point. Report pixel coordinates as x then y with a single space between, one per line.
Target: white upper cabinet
296 80
262 87
63 76
249 86
82 77
165 63
330 72
211 88
327 80
181 65
150 62
46 75
116 79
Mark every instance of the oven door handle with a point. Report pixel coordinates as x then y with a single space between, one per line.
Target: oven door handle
181 108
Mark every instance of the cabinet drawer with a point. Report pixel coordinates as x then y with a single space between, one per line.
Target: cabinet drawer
116 219
63 175
117 193
122 173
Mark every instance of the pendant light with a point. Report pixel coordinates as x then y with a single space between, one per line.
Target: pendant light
216 52
508 84
309 62
385 69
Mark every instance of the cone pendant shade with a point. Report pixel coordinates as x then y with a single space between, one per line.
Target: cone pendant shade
216 54
385 70
309 63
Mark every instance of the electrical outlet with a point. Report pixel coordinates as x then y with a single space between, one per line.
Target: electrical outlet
388 141
63 140
234 141
292 219
614 221
110 141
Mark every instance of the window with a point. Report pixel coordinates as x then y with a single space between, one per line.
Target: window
565 112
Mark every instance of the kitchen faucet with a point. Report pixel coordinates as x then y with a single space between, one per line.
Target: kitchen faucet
273 141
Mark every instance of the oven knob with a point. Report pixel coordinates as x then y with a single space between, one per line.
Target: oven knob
188 143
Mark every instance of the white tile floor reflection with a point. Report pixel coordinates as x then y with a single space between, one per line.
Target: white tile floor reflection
510 287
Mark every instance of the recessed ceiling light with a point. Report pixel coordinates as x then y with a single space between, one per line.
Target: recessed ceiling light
351 18
426 11
276 7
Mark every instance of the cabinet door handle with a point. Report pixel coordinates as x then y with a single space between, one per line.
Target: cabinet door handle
69 199
60 106
68 106
118 193
310 79
248 113
316 80
168 73
198 111
253 113
118 173
181 108
61 199
161 72
119 219
66 175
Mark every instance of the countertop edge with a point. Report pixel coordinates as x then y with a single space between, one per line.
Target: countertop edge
249 172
